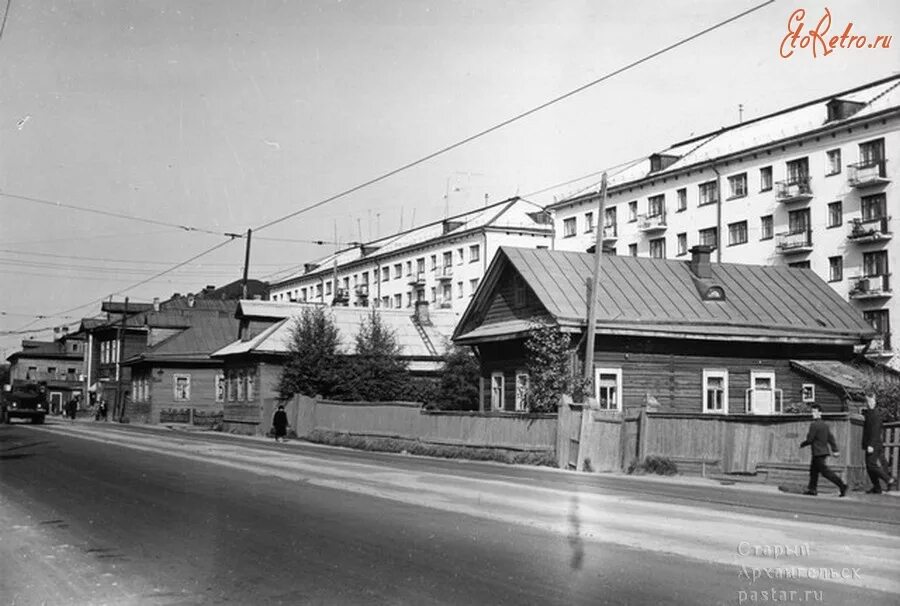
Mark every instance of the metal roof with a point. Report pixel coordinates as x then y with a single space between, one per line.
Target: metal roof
660 297
838 374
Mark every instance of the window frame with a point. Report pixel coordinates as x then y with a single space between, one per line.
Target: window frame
570 227
830 165
839 275
766 179
499 405
618 400
187 392
521 404
808 399
715 373
737 192
735 228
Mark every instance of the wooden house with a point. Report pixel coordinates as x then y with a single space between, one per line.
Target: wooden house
680 336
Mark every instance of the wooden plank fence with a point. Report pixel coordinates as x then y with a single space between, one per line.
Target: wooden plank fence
891 439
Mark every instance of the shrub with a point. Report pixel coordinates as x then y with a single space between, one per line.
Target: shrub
550 369
655 464
458 388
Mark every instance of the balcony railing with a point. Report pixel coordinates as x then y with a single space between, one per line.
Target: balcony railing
871 287
610 233
362 290
867 174
417 278
880 345
341 295
651 223
870 230
443 273
798 190
794 243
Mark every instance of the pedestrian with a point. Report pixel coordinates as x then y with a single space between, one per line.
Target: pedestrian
280 423
874 446
819 439
103 410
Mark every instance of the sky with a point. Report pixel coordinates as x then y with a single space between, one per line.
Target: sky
221 116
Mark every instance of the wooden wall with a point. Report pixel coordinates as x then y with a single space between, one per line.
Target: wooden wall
203 390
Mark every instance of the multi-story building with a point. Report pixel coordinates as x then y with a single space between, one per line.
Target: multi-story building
57 364
809 186
441 262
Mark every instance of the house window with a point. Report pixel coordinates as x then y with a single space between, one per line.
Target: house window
799 265
715 391
409 268
798 221
51 370
765 178
473 286
230 386
474 253
766 229
251 385
808 393
434 294
588 222
460 256
220 387
497 394
875 263
31 374
738 185
608 388
632 250
833 161
737 233
241 386
709 237
569 227
658 248
880 321
656 205
448 259
398 270
521 390
386 302
398 300
182 387
459 290
446 293
835 214
871 152
328 288
609 217
409 299
708 193
632 210
682 244
835 269
798 171
681 199
873 207
433 262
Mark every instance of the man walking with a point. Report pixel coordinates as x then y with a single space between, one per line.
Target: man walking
280 423
874 446
819 438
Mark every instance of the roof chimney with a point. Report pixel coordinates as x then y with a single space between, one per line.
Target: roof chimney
155 303
700 261
190 299
421 314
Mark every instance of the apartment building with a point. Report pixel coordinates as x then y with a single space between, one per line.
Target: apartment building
809 186
441 262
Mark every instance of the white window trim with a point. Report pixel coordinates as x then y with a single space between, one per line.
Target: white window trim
715 373
619 395
175 379
520 396
498 405
220 388
812 389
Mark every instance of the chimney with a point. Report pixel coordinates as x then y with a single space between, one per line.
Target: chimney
155 303
700 261
421 314
190 299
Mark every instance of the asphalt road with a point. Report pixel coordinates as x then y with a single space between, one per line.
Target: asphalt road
90 522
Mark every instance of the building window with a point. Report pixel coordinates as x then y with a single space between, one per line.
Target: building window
220 387
880 321
766 229
835 214
446 293
871 152
875 263
658 248
799 265
609 217
873 207
328 288
708 193
460 256
497 394
182 387
569 227
682 244
409 268
433 262
798 221
632 250
398 270
448 258
833 160
473 286
737 233
656 206
409 297
632 211
835 269
765 178
709 237
808 394
474 253
798 171
681 199
608 390
51 370
398 300
715 391
521 390
588 222
241 386
386 302
737 184
251 385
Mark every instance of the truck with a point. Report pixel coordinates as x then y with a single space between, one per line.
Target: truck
25 401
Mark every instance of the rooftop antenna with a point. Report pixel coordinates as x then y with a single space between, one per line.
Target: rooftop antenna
740 113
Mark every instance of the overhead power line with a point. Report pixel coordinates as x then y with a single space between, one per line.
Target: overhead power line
515 118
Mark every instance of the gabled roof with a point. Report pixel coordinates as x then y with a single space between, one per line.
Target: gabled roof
205 333
657 297
849 379
413 341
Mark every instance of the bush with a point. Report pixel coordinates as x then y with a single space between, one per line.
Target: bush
655 464
458 388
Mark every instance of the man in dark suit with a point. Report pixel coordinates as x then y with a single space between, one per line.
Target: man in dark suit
819 438
874 446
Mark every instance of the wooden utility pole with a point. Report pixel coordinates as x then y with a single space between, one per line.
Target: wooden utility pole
592 293
120 401
246 265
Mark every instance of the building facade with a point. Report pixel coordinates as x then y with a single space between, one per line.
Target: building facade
56 364
811 186
441 262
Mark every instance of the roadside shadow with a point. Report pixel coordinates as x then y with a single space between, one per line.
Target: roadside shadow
574 537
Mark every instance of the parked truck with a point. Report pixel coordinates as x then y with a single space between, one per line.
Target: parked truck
25 401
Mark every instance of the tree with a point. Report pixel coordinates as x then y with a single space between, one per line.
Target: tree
378 372
887 394
314 361
459 377
550 373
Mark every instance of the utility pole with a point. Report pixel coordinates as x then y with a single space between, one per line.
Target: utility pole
592 292
246 265
120 403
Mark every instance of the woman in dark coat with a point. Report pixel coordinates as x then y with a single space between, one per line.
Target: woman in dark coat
280 423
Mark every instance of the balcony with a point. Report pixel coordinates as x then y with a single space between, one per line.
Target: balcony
871 287
867 174
797 190
880 346
443 273
794 243
863 231
445 304
610 234
362 291
652 223
417 279
341 296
